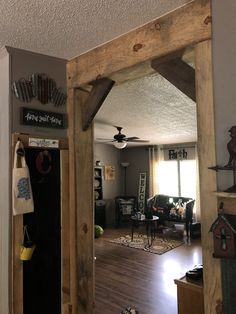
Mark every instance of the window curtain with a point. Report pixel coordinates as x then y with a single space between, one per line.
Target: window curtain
156 155
197 209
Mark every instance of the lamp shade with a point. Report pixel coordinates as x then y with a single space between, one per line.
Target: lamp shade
125 164
120 145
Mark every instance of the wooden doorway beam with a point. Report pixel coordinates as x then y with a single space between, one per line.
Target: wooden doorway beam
98 94
207 177
174 31
179 29
178 73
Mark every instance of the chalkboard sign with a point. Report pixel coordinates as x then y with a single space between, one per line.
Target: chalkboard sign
42 118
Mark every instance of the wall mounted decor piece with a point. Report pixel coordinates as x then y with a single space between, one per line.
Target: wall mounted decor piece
42 118
142 191
40 87
224 235
109 173
231 165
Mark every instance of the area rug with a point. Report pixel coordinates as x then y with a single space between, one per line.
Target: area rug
159 245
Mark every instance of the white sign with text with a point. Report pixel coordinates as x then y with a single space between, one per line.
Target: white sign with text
141 192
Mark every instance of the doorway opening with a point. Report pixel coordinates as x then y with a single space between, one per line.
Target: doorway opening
173 123
42 274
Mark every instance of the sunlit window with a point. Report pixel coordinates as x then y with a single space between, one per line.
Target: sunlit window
168 178
188 178
177 178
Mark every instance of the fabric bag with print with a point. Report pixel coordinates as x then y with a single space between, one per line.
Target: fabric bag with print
22 198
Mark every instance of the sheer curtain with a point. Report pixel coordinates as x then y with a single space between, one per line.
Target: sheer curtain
156 155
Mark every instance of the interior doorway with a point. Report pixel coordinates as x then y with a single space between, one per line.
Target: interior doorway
189 149
42 274
42 284
153 40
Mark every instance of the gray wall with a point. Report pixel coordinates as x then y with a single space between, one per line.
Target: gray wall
224 80
23 64
5 180
109 156
16 64
139 162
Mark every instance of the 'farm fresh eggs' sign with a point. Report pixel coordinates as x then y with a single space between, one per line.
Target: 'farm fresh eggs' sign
41 118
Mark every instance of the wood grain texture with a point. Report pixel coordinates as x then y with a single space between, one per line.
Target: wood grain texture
130 277
72 203
208 183
185 26
17 264
63 142
95 99
190 297
83 145
180 74
65 227
17 277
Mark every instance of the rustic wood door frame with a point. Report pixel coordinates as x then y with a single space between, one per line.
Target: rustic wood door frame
16 295
187 26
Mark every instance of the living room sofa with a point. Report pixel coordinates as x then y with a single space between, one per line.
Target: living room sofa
172 208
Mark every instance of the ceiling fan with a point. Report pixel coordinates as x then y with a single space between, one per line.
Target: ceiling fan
120 140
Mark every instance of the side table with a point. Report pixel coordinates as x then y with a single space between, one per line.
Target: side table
150 227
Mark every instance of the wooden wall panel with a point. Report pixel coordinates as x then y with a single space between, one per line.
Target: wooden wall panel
208 182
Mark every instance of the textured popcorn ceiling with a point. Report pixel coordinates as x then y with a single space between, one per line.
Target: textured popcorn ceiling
67 28
150 108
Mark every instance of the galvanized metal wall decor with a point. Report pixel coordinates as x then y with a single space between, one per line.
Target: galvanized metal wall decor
40 87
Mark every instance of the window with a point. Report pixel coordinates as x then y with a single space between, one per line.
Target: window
177 178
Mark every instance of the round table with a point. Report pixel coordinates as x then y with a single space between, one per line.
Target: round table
150 227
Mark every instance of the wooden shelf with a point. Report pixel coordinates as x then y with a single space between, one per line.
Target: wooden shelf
225 194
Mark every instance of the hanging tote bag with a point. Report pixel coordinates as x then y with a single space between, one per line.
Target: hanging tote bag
22 197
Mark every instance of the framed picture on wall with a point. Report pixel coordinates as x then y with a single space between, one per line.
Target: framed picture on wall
109 173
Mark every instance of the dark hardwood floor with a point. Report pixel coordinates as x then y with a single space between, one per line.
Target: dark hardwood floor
131 277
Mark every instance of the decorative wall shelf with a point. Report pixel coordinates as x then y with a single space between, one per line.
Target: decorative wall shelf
225 194
231 190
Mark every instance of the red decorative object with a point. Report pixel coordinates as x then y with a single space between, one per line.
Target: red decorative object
224 236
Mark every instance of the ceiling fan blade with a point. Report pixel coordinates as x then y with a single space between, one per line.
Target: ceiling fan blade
132 138
104 139
138 141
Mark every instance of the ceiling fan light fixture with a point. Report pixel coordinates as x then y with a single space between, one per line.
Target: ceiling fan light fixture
120 145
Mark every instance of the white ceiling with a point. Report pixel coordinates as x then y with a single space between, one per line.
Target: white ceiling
148 108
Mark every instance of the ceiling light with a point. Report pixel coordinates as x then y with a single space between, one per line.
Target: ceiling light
120 145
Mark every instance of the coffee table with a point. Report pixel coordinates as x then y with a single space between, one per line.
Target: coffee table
150 227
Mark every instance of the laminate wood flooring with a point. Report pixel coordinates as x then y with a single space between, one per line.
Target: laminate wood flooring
130 277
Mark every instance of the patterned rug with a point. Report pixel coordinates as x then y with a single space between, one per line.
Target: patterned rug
159 245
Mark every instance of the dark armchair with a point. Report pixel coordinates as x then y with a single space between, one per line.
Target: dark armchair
126 207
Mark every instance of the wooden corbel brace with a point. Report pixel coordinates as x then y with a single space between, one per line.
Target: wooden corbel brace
100 90
177 72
